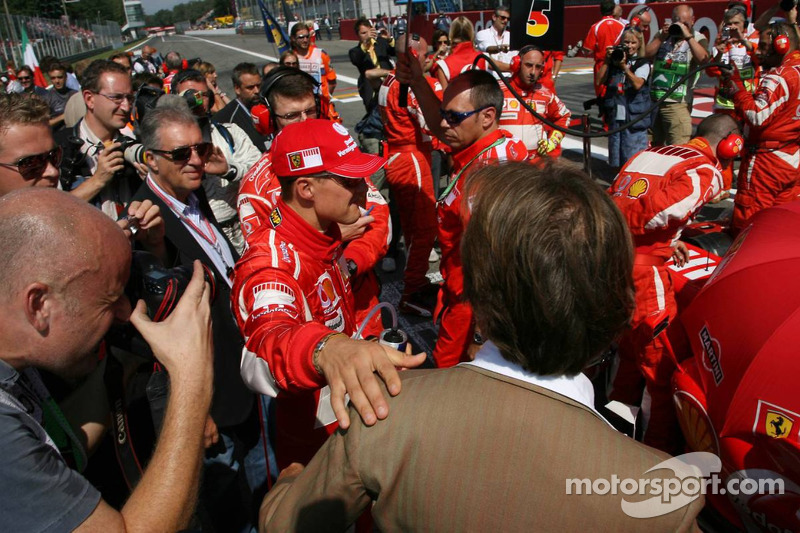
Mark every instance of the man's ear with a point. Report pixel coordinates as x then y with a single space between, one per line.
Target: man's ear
38 306
488 117
88 99
150 161
304 189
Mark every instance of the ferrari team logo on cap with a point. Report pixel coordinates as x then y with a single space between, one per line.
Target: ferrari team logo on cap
304 159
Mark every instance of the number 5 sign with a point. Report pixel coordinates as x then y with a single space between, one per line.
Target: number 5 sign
539 22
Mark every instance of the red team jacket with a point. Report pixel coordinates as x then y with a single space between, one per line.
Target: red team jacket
660 189
291 288
460 60
259 193
501 146
524 126
404 126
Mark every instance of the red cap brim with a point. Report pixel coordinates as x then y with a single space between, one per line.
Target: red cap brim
359 165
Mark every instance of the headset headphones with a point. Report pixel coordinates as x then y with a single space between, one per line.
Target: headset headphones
263 118
731 146
516 61
780 40
184 66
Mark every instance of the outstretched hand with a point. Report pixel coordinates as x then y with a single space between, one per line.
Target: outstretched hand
349 367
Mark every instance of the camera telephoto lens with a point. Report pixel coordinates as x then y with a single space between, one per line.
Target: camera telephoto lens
675 30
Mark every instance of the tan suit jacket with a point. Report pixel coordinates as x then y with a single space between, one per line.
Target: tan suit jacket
465 449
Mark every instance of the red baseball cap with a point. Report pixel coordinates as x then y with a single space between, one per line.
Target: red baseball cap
320 145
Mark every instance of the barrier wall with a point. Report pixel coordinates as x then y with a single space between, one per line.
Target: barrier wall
708 15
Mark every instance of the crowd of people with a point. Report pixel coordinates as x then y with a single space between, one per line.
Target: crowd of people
252 227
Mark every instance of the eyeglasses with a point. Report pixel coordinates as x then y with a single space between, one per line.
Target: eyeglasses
311 112
454 118
31 167
117 98
306 36
203 150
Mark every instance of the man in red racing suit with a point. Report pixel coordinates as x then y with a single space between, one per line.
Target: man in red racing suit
292 297
527 68
408 171
770 166
468 123
366 241
659 191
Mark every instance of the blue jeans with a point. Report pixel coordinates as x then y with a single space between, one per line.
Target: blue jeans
624 145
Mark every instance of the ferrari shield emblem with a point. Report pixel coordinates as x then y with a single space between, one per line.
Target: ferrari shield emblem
296 160
778 425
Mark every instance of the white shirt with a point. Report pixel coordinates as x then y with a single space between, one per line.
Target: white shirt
577 388
488 37
192 218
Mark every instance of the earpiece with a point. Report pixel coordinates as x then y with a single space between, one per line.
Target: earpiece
515 63
730 147
781 44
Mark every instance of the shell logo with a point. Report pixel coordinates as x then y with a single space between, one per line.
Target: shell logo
638 188
326 292
695 424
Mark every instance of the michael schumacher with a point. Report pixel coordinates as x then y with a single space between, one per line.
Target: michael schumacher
292 297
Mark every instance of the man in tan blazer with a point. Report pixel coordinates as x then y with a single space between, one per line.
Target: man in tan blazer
490 445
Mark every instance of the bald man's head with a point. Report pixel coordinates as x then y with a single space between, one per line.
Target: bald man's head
52 237
716 127
419 45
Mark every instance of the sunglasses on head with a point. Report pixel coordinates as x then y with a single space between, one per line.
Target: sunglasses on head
454 118
184 153
31 167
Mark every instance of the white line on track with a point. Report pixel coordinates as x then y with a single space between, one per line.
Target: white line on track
346 79
139 45
576 145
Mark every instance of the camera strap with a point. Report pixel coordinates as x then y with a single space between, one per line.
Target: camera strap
121 431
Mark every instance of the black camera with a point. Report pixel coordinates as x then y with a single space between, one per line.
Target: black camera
160 287
618 53
788 5
726 33
675 30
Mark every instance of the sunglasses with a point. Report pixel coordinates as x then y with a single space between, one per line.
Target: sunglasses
291 64
302 36
32 166
117 98
454 118
24 78
348 183
203 150
501 17
444 41
311 112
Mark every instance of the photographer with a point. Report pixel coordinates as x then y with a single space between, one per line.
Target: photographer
94 166
732 48
371 57
624 75
64 274
676 49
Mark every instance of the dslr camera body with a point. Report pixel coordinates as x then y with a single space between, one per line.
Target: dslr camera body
618 53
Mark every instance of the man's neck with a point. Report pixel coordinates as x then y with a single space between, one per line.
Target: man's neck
181 195
302 52
500 31
99 130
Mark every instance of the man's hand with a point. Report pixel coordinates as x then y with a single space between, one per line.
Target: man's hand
408 68
110 160
356 229
680 253
349 365
687 31
217 164
291 471
147 218
183 342
210 433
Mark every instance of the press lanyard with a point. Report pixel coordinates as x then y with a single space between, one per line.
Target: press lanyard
211 238
452 184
